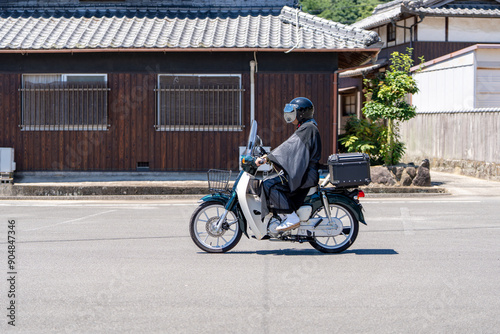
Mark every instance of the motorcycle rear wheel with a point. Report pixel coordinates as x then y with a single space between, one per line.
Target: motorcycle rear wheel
203 232
342 241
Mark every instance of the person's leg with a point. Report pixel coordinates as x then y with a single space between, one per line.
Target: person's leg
277 194
276 190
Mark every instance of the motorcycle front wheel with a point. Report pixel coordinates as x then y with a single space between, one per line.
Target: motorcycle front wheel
204 233
348 227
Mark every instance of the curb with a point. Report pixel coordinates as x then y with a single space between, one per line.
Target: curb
188 188
404 190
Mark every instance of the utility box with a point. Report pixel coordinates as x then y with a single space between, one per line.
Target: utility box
7 164
349 169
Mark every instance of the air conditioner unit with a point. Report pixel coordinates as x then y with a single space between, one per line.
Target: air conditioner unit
7 164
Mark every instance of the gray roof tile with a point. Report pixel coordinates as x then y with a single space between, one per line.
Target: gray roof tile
380 18
477 12
183 29
383 14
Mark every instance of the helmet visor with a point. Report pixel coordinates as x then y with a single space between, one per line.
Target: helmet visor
290 112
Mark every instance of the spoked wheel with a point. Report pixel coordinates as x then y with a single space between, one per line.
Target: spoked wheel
344 229
203 228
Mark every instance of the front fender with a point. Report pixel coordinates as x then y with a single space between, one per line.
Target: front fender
223 199
218 197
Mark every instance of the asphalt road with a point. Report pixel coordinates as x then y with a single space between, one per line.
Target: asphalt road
422 265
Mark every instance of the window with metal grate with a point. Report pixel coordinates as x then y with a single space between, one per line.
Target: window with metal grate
199 102
64 102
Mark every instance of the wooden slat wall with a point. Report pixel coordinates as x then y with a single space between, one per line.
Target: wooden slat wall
275 90
132 137
460 136
430 50
9 131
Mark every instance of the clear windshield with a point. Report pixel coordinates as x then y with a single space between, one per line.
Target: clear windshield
252 137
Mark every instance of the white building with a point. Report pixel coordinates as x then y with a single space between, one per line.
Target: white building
466 80
457 125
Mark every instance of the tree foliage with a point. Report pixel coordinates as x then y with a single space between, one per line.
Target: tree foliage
343 11
387 100
386 103
387 92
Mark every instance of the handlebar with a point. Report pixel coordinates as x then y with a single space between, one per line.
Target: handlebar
260 161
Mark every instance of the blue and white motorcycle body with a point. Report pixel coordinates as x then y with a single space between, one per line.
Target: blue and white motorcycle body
329 216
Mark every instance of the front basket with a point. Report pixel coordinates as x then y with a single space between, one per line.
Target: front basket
218 180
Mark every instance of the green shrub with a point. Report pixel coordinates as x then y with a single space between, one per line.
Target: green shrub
370 137
363 136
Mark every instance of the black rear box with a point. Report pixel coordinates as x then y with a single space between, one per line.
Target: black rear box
349 169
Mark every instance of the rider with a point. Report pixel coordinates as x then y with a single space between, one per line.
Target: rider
296 161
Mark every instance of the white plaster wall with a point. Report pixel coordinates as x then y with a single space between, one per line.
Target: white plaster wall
465 59
488 88
383 35
400 32
409 23
447 86
488 55
488 78
432 29
473 30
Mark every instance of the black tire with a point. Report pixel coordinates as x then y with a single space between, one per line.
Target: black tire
203 218
349 232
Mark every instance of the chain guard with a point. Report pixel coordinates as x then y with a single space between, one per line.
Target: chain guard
332 229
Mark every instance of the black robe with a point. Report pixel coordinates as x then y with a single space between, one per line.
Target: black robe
298 157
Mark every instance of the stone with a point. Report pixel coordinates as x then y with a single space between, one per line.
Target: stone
399 172
382 175
406 179
423 178
425 163
411 171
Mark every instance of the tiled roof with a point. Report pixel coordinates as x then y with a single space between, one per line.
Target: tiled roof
384 13
150 3
129 29
380 18
364 70
475 12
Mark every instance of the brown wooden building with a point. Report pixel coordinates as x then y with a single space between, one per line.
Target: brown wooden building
122 86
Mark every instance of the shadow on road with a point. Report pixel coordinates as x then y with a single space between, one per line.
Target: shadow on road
295 252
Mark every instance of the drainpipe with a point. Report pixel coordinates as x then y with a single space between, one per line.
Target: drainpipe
252 90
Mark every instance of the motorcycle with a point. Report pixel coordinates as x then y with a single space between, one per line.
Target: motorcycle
329 216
